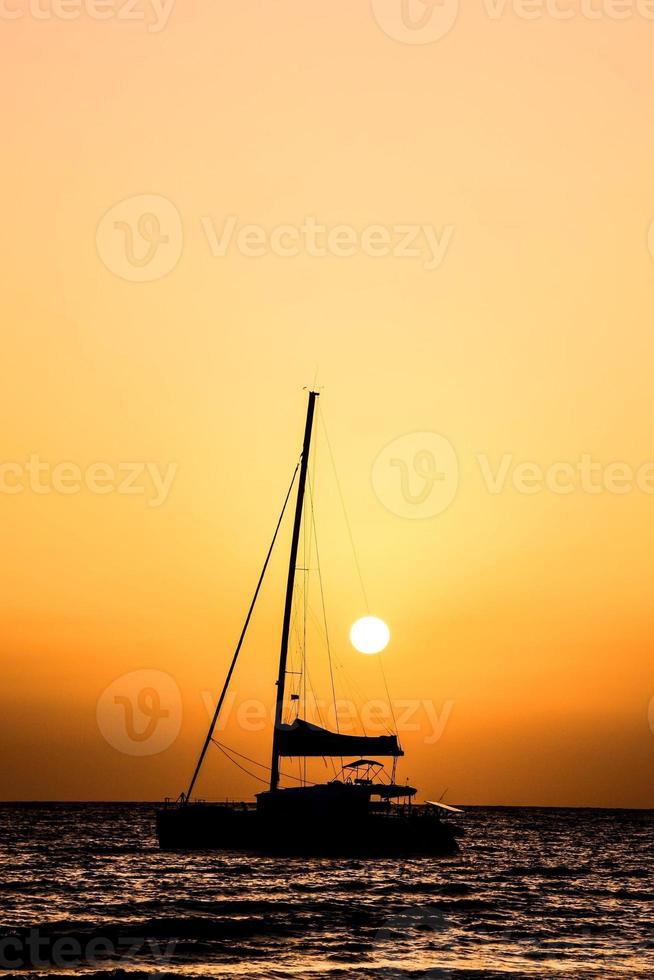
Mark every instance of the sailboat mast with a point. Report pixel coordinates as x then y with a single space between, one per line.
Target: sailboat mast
290 583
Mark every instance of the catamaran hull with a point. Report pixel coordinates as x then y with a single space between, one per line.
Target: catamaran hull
205 826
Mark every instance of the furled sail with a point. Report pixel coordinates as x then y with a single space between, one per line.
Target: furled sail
303 739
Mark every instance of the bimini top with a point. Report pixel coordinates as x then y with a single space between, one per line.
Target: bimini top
303 739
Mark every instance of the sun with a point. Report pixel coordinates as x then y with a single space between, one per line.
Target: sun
369 635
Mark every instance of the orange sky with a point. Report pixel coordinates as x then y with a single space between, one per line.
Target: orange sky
525 149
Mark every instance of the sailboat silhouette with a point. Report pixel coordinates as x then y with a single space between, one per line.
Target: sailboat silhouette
358 813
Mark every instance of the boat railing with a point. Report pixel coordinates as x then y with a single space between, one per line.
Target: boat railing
169 801
393 811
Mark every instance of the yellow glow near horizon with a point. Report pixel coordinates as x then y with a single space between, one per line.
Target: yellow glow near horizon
369 635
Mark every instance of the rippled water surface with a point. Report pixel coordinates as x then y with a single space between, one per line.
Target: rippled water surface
533 893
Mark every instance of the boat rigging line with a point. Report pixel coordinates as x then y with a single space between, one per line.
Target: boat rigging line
355 554
322 601
186 797
321 415
228 752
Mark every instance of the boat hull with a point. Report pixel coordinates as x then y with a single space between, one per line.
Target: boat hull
240 827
